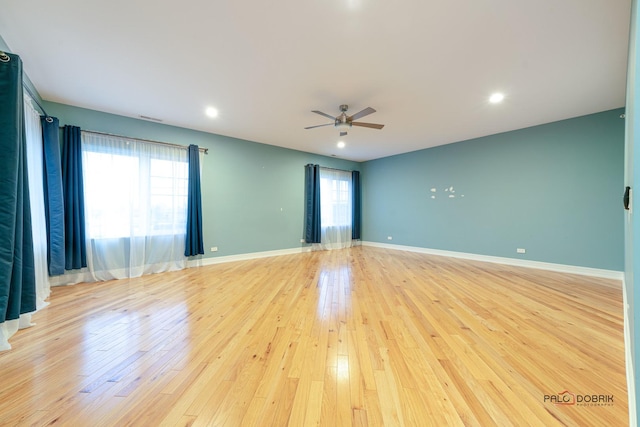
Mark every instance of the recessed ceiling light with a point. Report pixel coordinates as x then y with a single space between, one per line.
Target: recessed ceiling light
496 98
341 144
211 112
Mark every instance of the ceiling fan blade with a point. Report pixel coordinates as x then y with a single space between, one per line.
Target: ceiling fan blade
323 114
362 113
368 125
343 134
317 126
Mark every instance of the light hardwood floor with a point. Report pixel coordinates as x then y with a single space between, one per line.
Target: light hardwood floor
363 336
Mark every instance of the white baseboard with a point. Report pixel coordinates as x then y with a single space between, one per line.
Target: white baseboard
247 256
561 268
586 271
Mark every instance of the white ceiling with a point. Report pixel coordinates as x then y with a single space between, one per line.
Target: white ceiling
426 66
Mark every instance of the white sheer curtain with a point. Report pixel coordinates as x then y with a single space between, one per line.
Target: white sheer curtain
335 208
35 163
135 206
33 136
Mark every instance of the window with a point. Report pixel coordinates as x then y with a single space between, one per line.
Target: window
335 199
335 208
134 190
168 196
135 206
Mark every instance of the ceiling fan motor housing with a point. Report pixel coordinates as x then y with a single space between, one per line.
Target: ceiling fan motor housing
343 120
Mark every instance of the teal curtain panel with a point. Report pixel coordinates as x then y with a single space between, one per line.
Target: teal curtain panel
17 272
53 195
194 243
355 205
312 230
74 225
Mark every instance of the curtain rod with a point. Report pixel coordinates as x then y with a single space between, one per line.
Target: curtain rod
335 169
35 99
205 150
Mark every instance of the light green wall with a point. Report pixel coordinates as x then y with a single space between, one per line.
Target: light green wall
554 190
632 175
252 194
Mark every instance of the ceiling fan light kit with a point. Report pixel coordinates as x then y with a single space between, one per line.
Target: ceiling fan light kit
343 122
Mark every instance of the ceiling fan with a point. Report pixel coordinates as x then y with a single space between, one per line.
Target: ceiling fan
344 122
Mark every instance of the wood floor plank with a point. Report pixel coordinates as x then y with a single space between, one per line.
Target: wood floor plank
363 336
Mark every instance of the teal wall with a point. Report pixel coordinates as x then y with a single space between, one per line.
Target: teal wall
632 175
252 194
554 190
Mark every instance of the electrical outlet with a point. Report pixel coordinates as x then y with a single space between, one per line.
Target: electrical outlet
521 250
389 238
214 249
303 241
